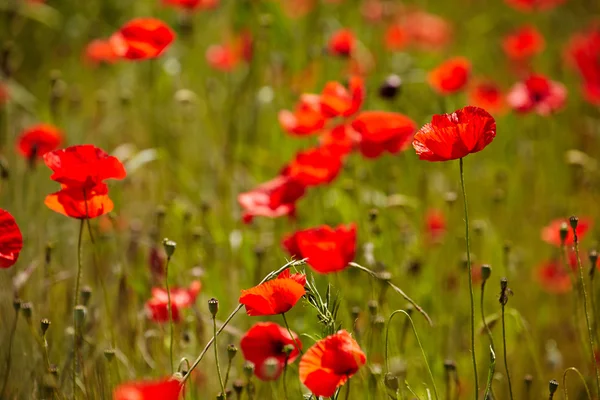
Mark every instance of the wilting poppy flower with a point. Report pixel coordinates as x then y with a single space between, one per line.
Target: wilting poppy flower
273 297
339 140
164 389
451 76
327 249
272 199
142 39
83 166
266 340
381 131
191 5
314 167
81 203
583 52
336 100
307 118
341 43
487 95
524 43
396 37
453 136
553 277
39 139
551 232
158 305
11 240
537 93
435 224
532 5
330 362
100 50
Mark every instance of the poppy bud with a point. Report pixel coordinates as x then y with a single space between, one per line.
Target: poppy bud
44 325
378 323
248 369
86 293
79 313
486 271
109 354
372 304
390 87
270 368
391 382
27 311
593 256
231 351
563 232
169 246
552 387
213 306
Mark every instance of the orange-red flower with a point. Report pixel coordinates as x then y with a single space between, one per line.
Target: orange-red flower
330 362
534 5
39 139
164 389
11 240
227 56
553 277
80 203
336 100
381 131
273 297
339 140
327 249
265 341
181 298
142 39
100 50
523 43
191 5
307 117
342 43
396 37
537 93
583 52
272 199
551 232
314 167
453 136
487 95
435 224
451 76
427 31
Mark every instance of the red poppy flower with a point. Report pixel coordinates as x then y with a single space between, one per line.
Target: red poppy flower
11 240
227 56
142 39
553 277
551 232
158 305
38 140
583 52
266 340
336 100
427 31
435 224
342 43
487 95
453 136
330 362
83 166
100 50
190 5
451 76
537 93
340 140
272 199
382 131
532 5
327 249
164 389
81 203
523 43
273 297
396 37
307 118
314 167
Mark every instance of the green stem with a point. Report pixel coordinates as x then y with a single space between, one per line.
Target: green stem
473 356
505 357
348 390
285 368
215 333
296 341
564 380
490 379
75 329
170 311
486 326
9 356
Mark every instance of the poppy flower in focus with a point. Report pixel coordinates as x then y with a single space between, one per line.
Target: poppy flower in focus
164 389
339 140
382 131
330 362
81 203
99 51
307 117
537 93
327 249
158 305
583 52
273 297
11 240
38 140
396 37
453 136
523 43
314 167
551 232
266 340
451 76
191 5
487 95
336 100
341 43
142 39
272 199
534 5
553 277
83 166
435 224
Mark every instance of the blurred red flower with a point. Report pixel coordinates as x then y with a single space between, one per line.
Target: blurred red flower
339 140
314 167
157 306
435 225
537 93
330 362
453 136
327 249
191 5
487 94
397 37
336 100
427 31
583 52
451 76
381 131
80 203
11 240
37 140
164 389
273 297
534 5
4 94
142 39
551 232
523 43
553 277
272 199
342 43
307 117
266 340
101 50
227 56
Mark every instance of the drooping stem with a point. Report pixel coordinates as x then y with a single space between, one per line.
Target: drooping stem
297 343
564 382
170 311
505 357
490 379
9 356
77 284
464 193
215 333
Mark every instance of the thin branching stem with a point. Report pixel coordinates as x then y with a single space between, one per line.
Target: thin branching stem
564 382
297 343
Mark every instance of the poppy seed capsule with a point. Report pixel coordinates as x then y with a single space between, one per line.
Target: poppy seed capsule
552 387
287 349
563 232
248 369
79 313
44 325
238 386
27 311
486 272
391 382
86 294
355 312
528 380
231 351
109 354
270 368
213 306
169 247
573 221
372 304
390 87
449 365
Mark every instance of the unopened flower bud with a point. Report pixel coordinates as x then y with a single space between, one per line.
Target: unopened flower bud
593 256
355 313
573 221
248 369
449 365
213 306
238 386
231 351
17 304
287 349
486 272
372 305
169 246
